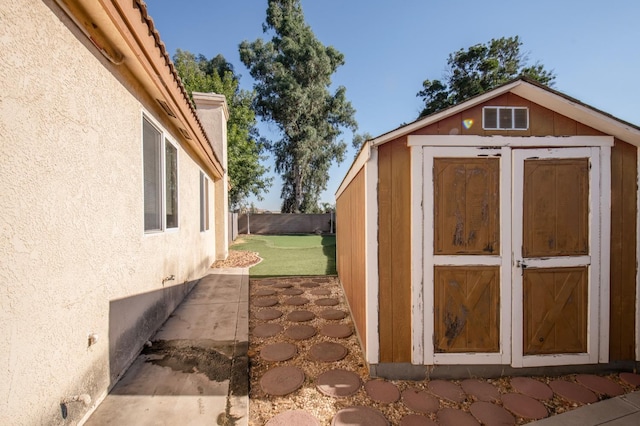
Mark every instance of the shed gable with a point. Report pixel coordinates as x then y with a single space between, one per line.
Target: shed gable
542 121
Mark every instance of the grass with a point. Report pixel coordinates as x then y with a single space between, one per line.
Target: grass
288 255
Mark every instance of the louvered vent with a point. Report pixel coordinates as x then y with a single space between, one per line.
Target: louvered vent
184 133
505 118
166 108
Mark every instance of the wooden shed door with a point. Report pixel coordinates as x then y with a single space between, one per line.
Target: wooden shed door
555 237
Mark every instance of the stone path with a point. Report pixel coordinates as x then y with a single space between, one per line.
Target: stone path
307 369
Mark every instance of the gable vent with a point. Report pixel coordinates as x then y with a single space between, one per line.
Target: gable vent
166 108
505 118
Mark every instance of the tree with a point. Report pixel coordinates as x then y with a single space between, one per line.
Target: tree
293 73
478 69
244 146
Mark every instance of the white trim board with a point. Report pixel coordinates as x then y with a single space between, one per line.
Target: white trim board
511 141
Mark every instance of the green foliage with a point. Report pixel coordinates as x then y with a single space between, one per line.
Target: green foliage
293 73
478 69
359 139
244 147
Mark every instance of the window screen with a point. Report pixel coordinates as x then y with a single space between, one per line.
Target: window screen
171 184
204 202
152 141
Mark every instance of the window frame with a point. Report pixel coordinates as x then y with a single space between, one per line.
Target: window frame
165 141
501 109
204 202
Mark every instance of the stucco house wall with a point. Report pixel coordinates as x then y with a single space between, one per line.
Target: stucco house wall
75 260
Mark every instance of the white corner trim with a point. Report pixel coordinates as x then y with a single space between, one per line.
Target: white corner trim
605 253
417 243
372 281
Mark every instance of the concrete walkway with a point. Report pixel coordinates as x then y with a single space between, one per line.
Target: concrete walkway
623 410
204 343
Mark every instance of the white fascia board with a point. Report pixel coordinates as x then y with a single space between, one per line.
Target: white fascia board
358 163
579 112
418 124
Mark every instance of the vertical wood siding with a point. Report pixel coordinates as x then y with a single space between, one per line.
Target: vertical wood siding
351 265
623 251
394 252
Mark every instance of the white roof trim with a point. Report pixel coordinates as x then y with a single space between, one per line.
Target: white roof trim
359 163
548 99
411 127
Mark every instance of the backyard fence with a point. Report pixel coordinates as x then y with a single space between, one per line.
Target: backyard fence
286 223
233 227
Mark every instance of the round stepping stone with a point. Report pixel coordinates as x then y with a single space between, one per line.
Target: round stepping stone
455 417
267 330
296 301
283 285
278 352
532 387
382 391
359 415
524 406
266 282
416 420
630 378
320 292
420 401
599 384
268 314
309 285
265 302
300 332
491 414
573 391
327 301
447 390
338 331
338 383
293 417
301 316
265 292
283 380
332 314
327 352
481 390
292 292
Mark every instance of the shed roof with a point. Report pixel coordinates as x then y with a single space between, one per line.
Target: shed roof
539 94
525 88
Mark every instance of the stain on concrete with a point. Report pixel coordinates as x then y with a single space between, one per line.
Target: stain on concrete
191 358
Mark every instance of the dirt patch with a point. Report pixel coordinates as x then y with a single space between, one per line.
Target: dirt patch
238 259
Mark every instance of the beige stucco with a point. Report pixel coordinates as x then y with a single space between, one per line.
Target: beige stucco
74 259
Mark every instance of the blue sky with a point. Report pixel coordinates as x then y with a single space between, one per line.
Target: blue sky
391 47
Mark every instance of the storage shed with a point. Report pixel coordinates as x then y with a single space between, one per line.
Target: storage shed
499 236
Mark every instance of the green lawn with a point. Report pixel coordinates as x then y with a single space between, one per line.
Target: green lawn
285 255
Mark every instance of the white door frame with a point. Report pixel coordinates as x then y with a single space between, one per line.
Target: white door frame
423 148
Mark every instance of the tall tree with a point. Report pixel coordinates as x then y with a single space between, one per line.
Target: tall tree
244 146
478 69
293 74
